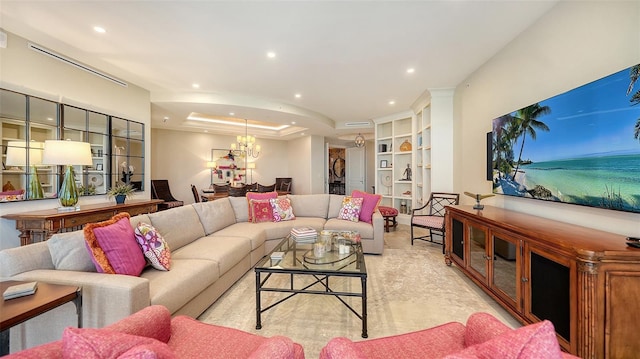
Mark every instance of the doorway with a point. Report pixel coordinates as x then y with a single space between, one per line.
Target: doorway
336 170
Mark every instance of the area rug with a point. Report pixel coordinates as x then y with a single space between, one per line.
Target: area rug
408 289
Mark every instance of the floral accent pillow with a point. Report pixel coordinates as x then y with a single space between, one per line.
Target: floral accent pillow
154 247
282 210
255 195
350 210
260 210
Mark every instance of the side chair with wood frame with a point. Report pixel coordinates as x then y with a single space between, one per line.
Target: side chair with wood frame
433 219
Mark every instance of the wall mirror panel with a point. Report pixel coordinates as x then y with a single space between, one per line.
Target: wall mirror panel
27 121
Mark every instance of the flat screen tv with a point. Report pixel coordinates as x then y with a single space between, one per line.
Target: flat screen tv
580 147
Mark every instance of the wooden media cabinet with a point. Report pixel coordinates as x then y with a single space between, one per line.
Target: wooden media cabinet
585 281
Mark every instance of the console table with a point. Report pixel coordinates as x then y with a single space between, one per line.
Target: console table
585 281
41 225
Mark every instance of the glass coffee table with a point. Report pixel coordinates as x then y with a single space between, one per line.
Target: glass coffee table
297 260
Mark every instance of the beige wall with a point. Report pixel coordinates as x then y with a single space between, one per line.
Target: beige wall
573 44
181 158
26 71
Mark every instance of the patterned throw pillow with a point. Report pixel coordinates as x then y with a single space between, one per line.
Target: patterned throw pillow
254 195
153 246
113 246
282 210
369 205
260 210
350 210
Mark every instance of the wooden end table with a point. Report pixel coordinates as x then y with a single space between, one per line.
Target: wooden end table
47 297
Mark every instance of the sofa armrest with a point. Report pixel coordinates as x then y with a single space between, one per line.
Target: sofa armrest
341 348
378 232
481 327
106 298
151 322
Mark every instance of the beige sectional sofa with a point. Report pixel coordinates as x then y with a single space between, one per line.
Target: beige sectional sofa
212 246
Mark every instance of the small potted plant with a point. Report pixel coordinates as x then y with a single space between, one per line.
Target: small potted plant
120 191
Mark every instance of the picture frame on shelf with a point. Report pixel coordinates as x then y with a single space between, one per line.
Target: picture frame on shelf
383 163
99 167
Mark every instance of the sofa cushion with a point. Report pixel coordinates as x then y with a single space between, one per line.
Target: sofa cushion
186 279
214 215
256 195
275 347
369 204
254 232
240 207
179 226
365 229
335 203
260 210
351 208
93 343
154 247
141 218
282 209
341 348
481 327
69 252
528 342
113 246
310 205
22 259
225 251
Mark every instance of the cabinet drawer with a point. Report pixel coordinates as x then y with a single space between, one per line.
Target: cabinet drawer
86 218
140 210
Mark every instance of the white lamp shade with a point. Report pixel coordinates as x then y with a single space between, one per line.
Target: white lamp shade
17 153
212 164
57 152
251 165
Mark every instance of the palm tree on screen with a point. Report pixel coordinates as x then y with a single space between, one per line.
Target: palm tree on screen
528 123
634 74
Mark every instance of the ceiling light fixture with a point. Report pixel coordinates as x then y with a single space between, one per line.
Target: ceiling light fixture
231 113
359 140
233 123
298 95
271 54
99 29
411 70
195 86
392 102
247 143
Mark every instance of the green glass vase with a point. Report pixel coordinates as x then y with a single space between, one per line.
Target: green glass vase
68 194
35 189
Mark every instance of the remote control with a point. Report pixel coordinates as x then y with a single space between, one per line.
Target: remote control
633 239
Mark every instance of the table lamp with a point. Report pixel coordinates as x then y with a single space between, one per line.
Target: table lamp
69 153
251 166
212 165
17 156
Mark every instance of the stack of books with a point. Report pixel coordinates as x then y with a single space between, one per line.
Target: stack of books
277 256
20 290
304 235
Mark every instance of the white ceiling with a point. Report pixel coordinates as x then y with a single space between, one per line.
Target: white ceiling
347 59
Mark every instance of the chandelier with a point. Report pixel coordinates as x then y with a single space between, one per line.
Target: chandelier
246 143
359 140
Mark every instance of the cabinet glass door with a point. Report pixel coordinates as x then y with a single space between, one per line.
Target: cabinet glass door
505 275
477 247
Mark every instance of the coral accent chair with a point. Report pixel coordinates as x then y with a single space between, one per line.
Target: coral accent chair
153 331
484 336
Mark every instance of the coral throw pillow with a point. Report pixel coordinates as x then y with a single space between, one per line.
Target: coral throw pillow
254 195
350 210
369 205
282 210
154 247
113 247
92 343
260 210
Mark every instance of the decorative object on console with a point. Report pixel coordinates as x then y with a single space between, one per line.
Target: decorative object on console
69 153
406 175
120 191
17 156
359 140
478 197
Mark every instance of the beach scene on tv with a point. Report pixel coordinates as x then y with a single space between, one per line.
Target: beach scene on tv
580 147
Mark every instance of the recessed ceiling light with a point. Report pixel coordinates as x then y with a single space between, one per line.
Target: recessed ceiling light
206 131
293 122
195 86
49 118
231 113
298 95
99 29
392 102
411 70
271 54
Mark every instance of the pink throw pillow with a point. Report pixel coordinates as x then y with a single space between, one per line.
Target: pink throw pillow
254 195
369 205
261 210
113 246
282 210
529 342
93 343
350 210
154 247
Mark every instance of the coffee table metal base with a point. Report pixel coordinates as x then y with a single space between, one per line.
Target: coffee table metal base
320 278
